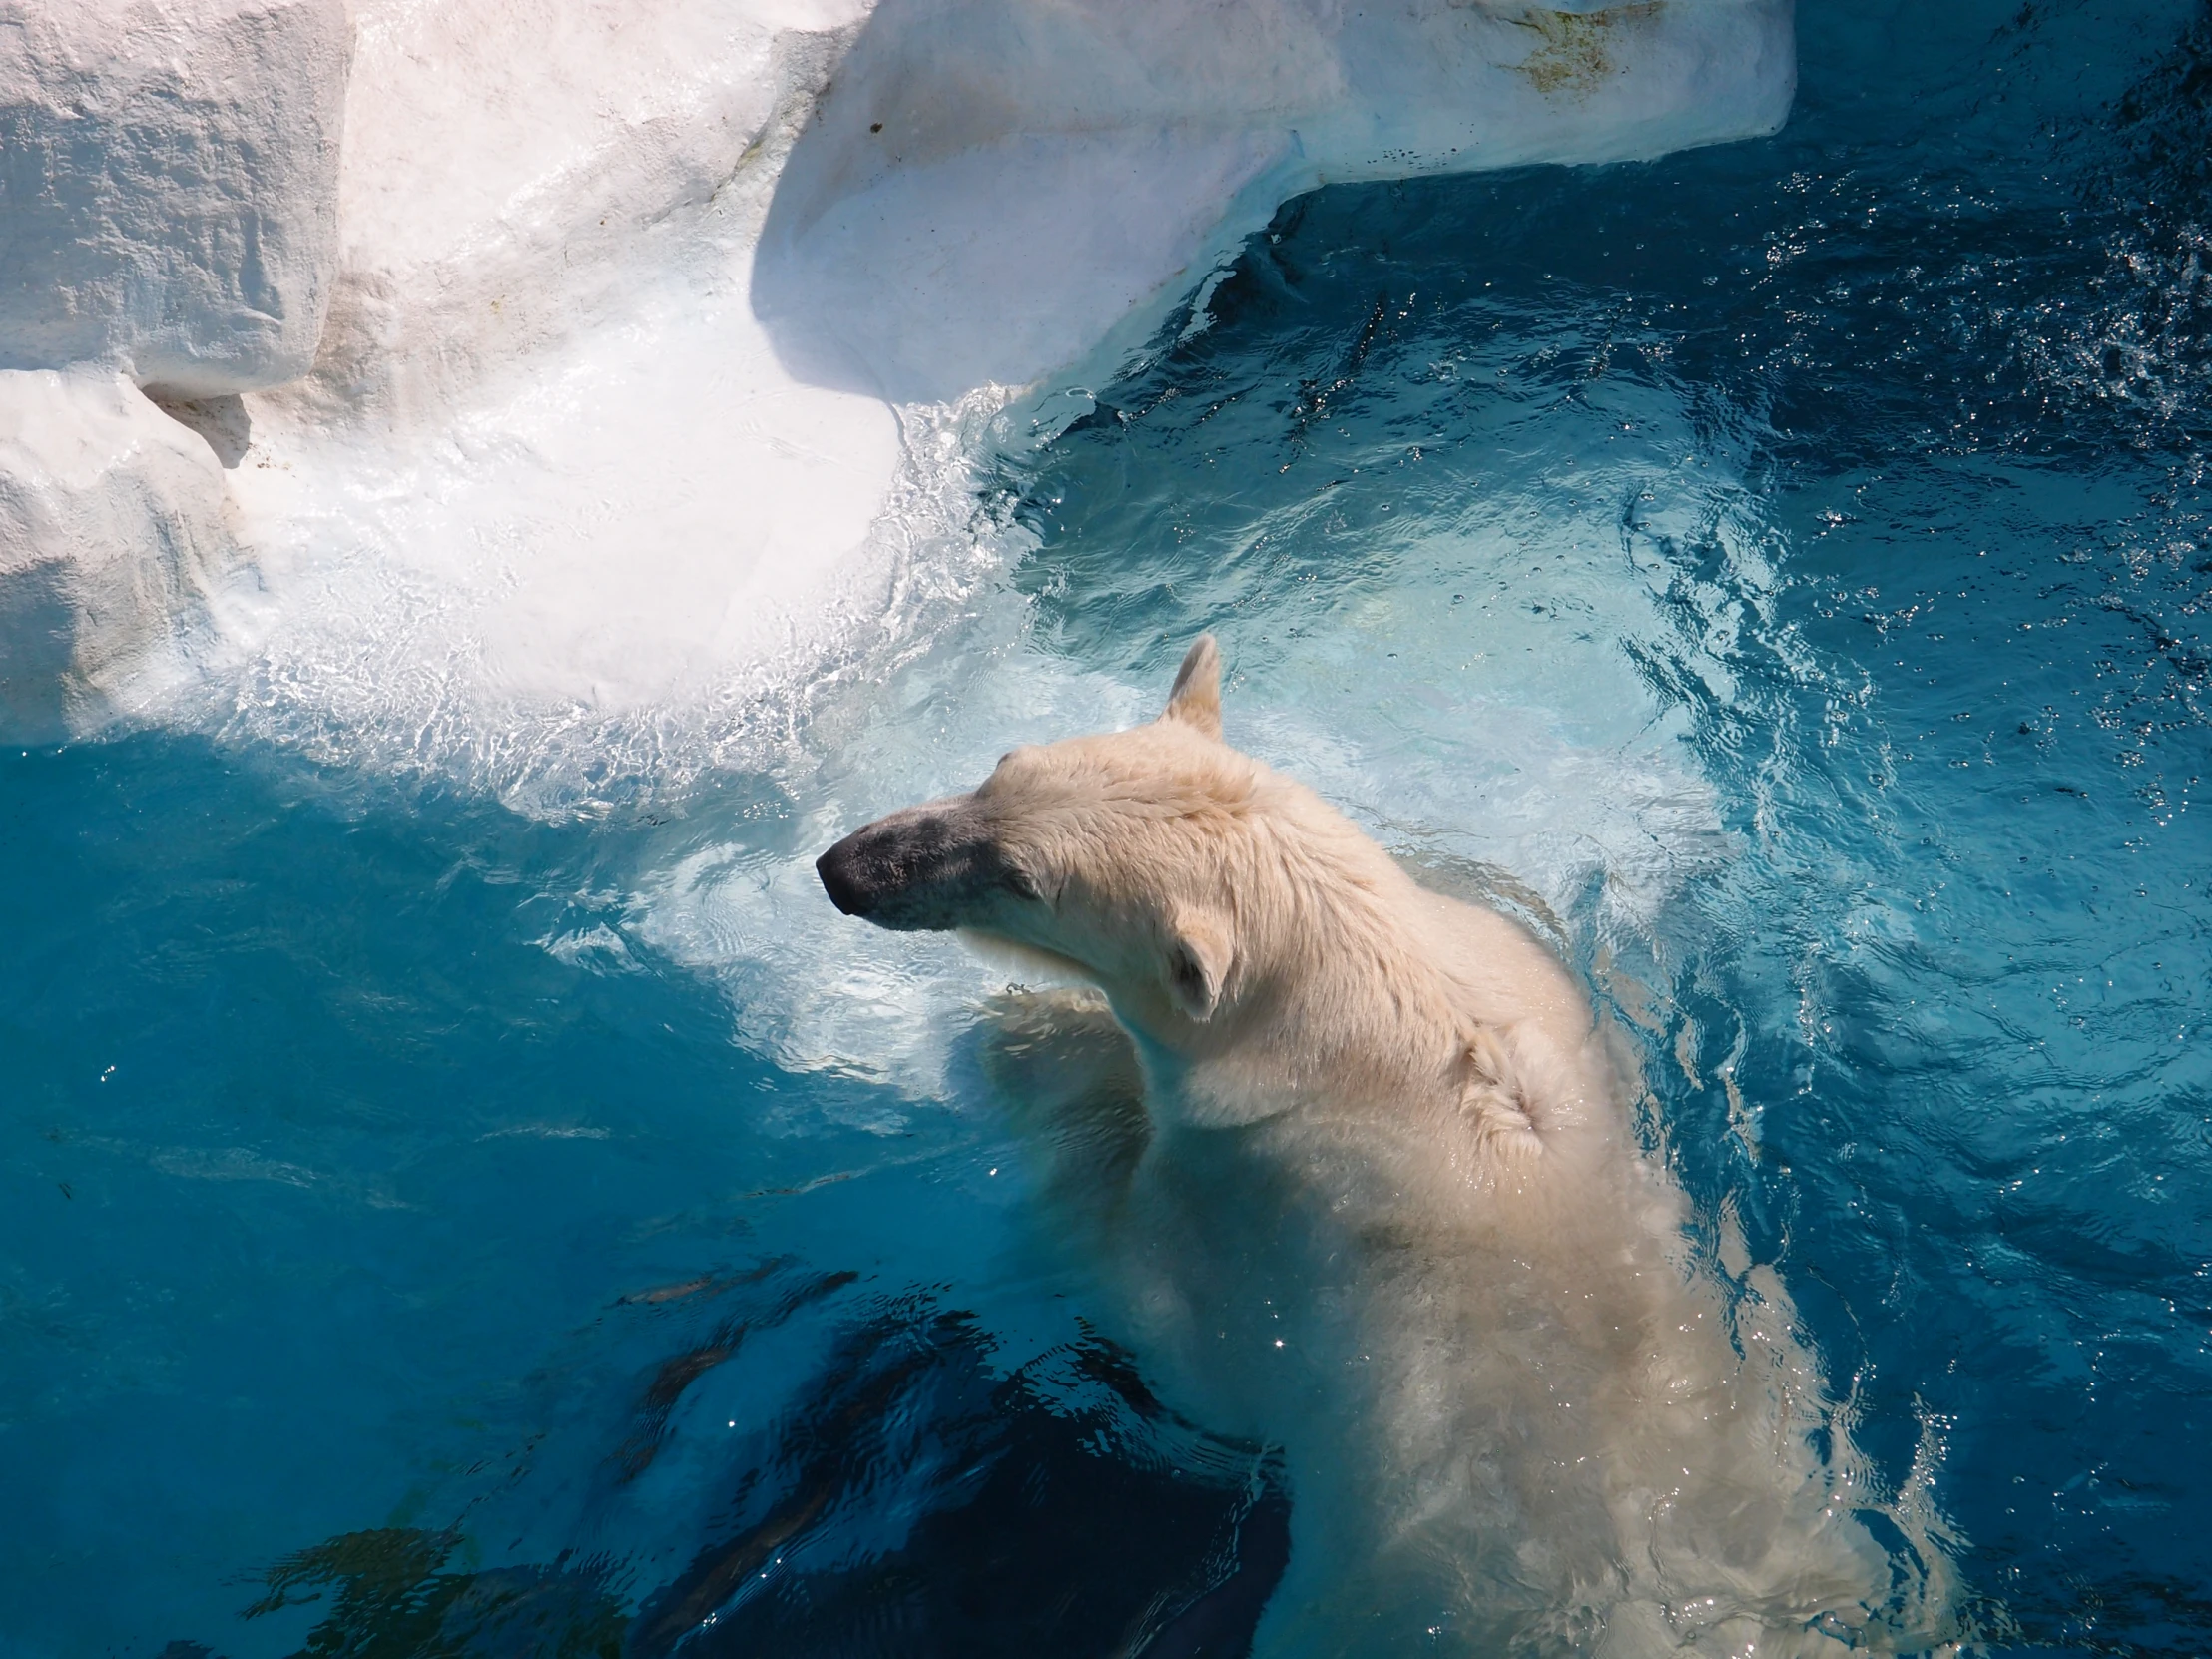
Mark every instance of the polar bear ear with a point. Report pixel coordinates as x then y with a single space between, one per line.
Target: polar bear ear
1199 955
1195 699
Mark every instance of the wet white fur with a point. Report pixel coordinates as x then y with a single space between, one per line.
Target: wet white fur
1362 1184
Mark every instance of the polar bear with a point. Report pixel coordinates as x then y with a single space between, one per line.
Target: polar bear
1355 1162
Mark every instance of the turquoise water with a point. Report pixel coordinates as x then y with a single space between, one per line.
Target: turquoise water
434 1229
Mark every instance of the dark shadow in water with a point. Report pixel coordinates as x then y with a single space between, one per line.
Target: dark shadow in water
1073 1526
675 1373
1066 1512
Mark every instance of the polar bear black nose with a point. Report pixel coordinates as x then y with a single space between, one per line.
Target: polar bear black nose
894 872
843 873
927 867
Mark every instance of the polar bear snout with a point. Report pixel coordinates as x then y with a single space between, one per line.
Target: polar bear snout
928 868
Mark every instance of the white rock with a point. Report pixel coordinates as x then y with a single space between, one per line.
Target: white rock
169 185
990 189
513 168
548 460
112 523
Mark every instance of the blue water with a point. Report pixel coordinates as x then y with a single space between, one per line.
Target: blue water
428 1229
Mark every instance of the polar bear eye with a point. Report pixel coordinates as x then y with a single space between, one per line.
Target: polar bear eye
1022 883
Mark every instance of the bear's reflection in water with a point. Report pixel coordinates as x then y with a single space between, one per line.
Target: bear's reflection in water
1074 1516
918 1503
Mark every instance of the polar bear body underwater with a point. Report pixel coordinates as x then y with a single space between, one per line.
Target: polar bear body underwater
1355 1162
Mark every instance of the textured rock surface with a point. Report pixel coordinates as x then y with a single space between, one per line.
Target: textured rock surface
111 521
169 185
991 187
516 169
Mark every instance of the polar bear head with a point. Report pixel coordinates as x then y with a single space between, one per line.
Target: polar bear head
1139 859
1234 919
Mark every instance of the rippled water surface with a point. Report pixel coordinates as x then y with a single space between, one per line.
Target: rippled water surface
430 1228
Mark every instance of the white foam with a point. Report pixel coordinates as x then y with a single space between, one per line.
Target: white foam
1582 797
643 521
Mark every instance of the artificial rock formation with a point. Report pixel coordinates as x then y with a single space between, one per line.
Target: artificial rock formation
169 185
110 523
634 355
169 216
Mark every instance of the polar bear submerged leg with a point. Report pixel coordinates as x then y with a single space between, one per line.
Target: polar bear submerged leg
1066 1075
1352 1162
